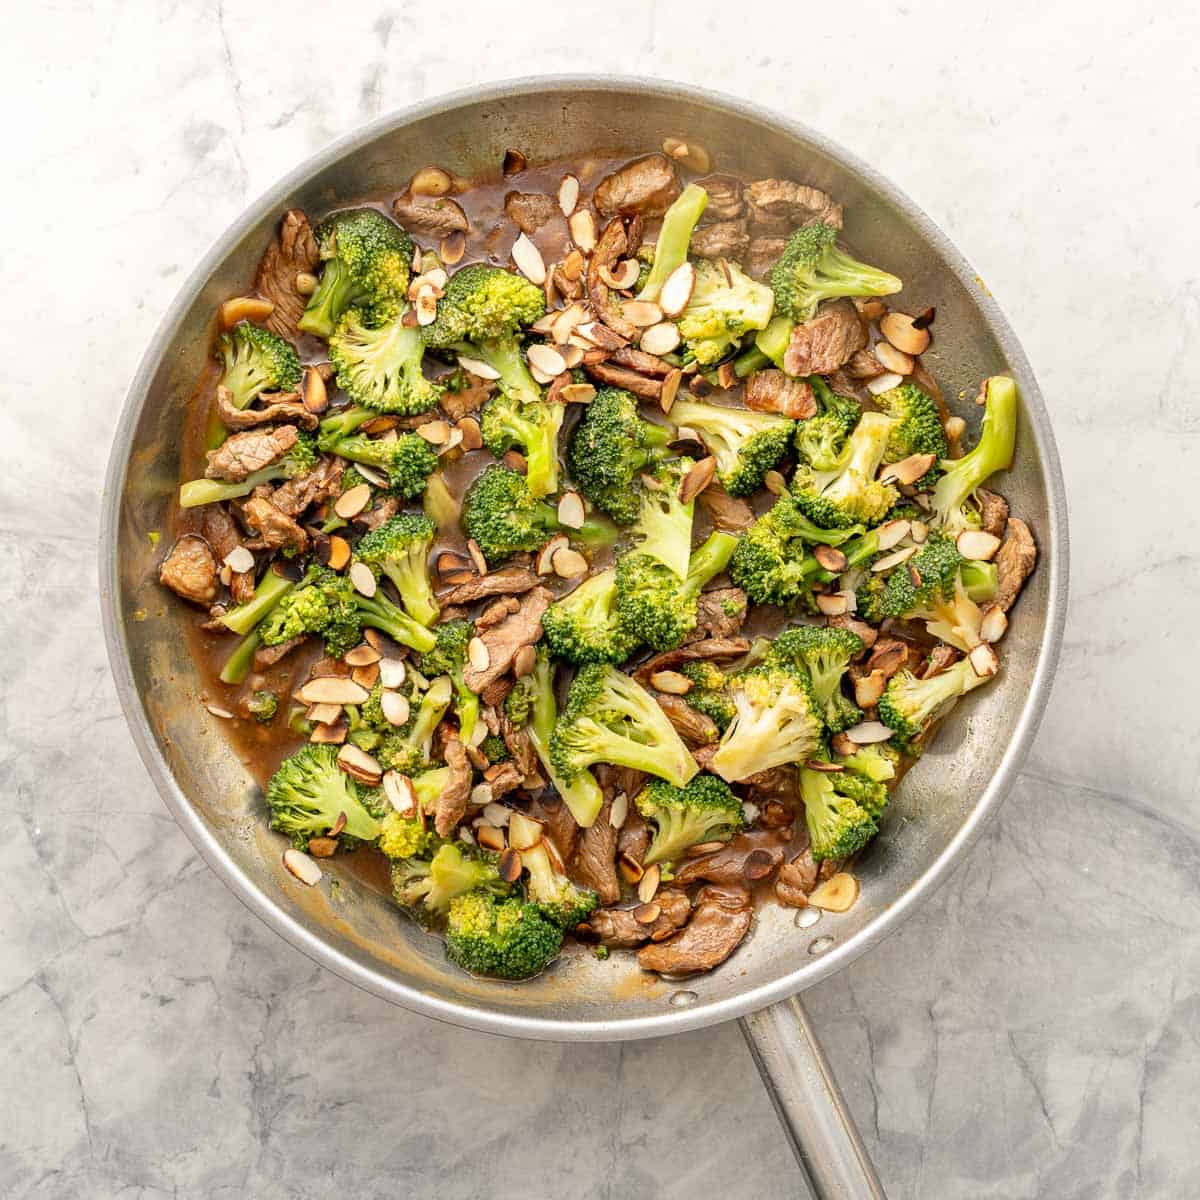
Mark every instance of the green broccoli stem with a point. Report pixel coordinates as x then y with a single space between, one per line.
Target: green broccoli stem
504 355
412 584
328 301
671 249
994 452
582 795
980 579
341 424
211 491
708 560
237 665
749 361
397 624
541 459
271 588
773 341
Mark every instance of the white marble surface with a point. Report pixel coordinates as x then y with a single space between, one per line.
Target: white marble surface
1032 1032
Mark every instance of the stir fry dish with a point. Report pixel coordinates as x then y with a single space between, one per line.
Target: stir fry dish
582 553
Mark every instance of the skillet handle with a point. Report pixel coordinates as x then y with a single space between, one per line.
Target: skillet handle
810 1104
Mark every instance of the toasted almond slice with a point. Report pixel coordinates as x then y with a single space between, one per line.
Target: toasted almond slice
758 865
332 689
305 283
702 848
303 867
359 764
993 625
329 735
239 559
245 308
831 558
899 329
490 838
434 432
481 369
496 814
481 794
568 195
426 307
670 389
477 556
478 654
352 501
469 433
395 706
892 359
983 660
660 339
452 247
565 321
400 792
918 531
697 479
775 483
726 376
619 810
528 259
316 395
976 543
692 154
824 766
339 552
883 383
583 230
833 604
631 870
648 884
323 847
671 682
570 510
869 688
677 290
908 470
836 894
624 277
572 356
366 676
888 561
545 558
363 579
392 672
642 313
524 832
546 359
222 714
891 533
431 181
873 309
323 714
568 563
867 733
647 914
578 393
510 865
515 461
452 442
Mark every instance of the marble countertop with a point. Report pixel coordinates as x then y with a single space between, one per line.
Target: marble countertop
1032 1032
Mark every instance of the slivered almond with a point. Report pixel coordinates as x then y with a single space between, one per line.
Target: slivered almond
888 561
481 369
697 479
245 308
395 706
528 259
647 914
400 793
873 309
329 735
891 533
477 556
565 322
371 475
489 837
918 530
524 662
392 672
983 660
631 870
545 558
545 359
642 313
434 432
619 810
481 794
836 894
222 714
339 552
883 383
524 832
660 339
867 733
869 688
478 654
677 290
431 181
833 604
892 359
572 266
366 676
323 714
570 510
301 866
775 483
908 470
624 277
568 195
692 154
572 356
363 579
359 764
426 307
239 559
702 848
472 438
993 625
352 501
759 864
578 393
583 230
510 865
305 283
496 814
831 558
452 442
899 329
670 389
671 682
452 247
332 689
648 884
841 744
316 395
976 543
568 563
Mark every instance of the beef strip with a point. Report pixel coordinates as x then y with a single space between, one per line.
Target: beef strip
496 612
620 929
220 530
725 198
268 656
594 864
560 824
993 512
281 406
436 216
941 658
640 361
1015 561
622 377
522 628
313 487
503 778
239 456
863 364
796 879
381 511
276 530
728 865
520 747
609 249
529 211
725 239
888 655
190 570
507 581
773 201
773 391
633 840
762 255
293 251
719 921
726 512
721 613
647 186
867 633
452 803
469 399
826 340
775 785
668 660
694 727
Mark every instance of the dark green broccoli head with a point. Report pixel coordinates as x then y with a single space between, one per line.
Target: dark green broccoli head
263 706
309 792
324 603
408 461
450 653
586 626
746 444
850 494
452 872
708 693
821 440
838 824
483 303
703 811
910 705
532 428
918 428
813 268
825 652
400 549
495 749
725 304
504 939
256 361
379 365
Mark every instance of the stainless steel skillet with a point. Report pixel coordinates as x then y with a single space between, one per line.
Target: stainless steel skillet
944 801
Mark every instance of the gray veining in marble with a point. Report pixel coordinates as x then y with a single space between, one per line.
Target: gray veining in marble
1033 1032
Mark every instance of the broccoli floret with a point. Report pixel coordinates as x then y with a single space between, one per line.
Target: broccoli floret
725 304
821 440
671 249
379 365
245 618
263 706
483 303
838 824
341 424
918 428
813 268
953 504
400 549
368 261
432 885
703 811
586 626
410 748
504 939
709 693
504 518
518 704
299 460
611 446
746 444
663 530
324 603
850 494
402 837
449 657
378 612
877 762
532 428
657 607
495 749
776 722
610 718
309 792
408 461
910 705
825 652
256 361
557 898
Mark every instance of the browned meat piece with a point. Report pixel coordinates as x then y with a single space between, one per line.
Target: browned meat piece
508 581
436 216
722 612
452 803
190 570
726 512
993 512
694 727
646 186
763 254
214 624
293 251
560 825
796 879
868 633
469 399
282 406
520 747
826 340
496 612
704 756
244 453
781 200
773 391
622 377
863 364
503 778
941 658
1015 562
594 864
725 201
634 839
668 660
268 656
276 529
719 921
220 531
725 239
522 628
776 784
609 249
379 512
620 928
887 656
640 361
529 211
730 863
314 487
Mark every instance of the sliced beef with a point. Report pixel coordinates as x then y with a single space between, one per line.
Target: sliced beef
560 825
762 255
773 391
726 512
508 581
435 216
595 863
520 747
623 377
452 803
993 512
714 648
469 399
529 211
776 785
754 854
782 203
221 532
719 921
268 656
725 198
863 364
624 928
313 487
647 186
941 658
282 406
1015 561
867 633
721 613
503 778
888 655
826 340
796 880
694 727
522 628
190 570
609 249
640 361
239 456
634 838
496 612
379 513
725 239
276 530
293 251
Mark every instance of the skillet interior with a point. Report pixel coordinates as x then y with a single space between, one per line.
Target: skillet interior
940 806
